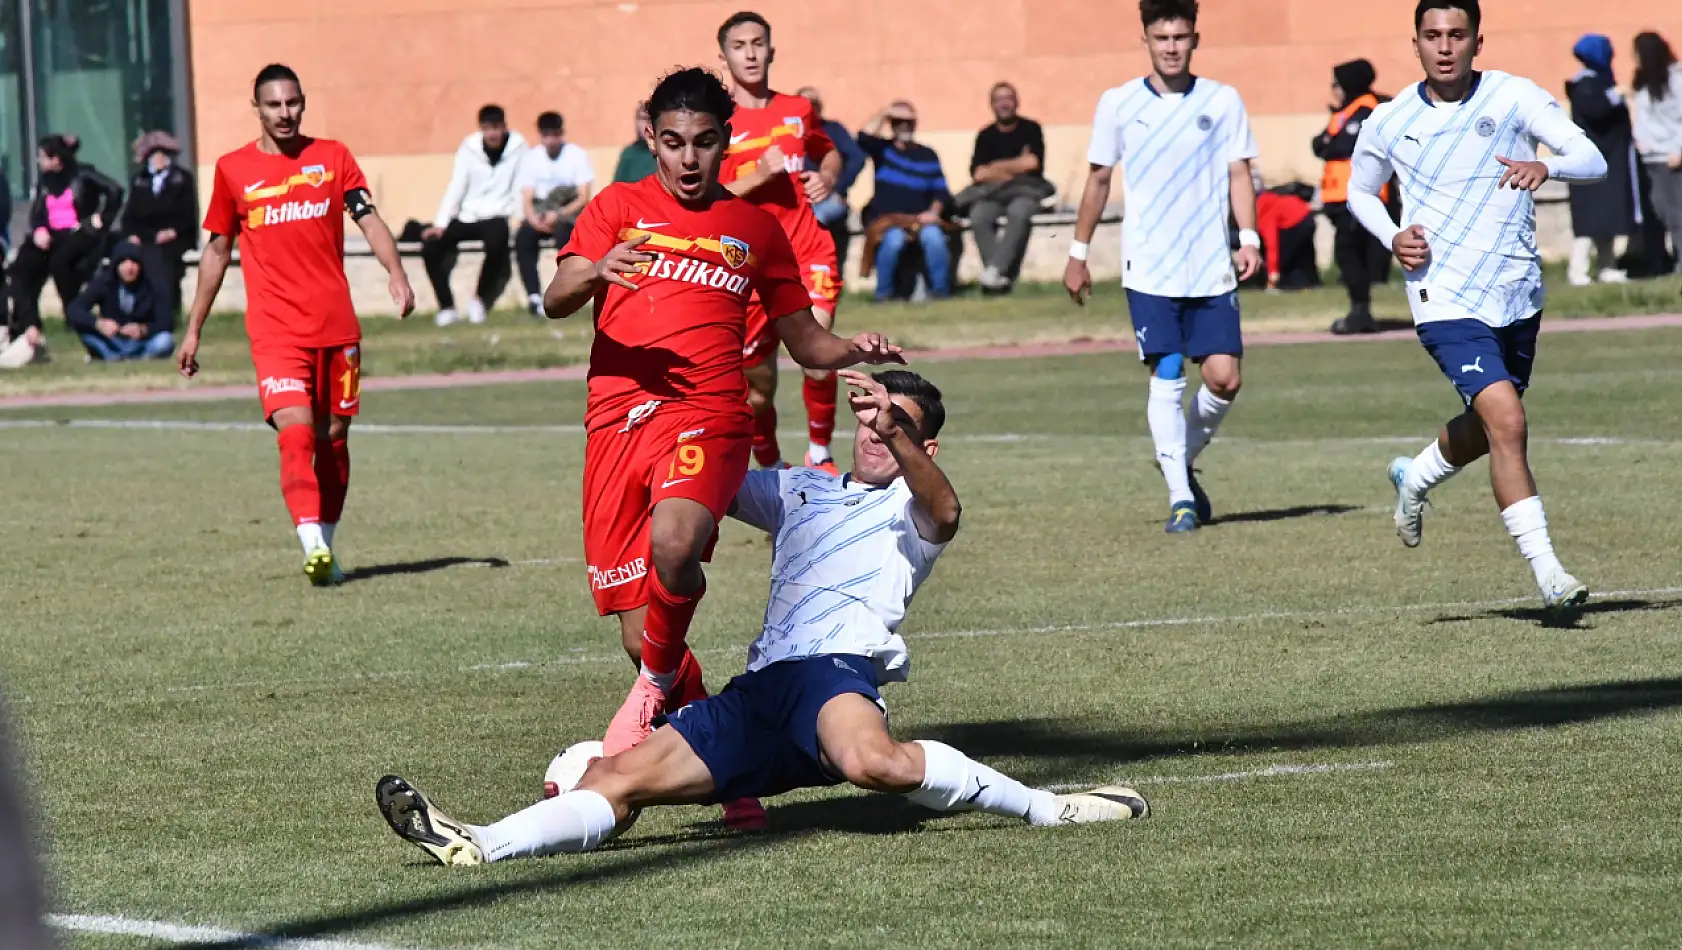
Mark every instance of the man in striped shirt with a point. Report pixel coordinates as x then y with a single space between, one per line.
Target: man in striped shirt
909 183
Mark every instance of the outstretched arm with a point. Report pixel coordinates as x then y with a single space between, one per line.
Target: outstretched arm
814 347
577 278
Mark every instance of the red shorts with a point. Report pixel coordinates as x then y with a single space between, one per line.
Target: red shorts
326 379
673 453
819 271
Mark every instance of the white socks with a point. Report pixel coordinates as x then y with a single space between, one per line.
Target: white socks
311 537
1428 471
817 454
1528 525
953 781
1168 430
1207 411
580 820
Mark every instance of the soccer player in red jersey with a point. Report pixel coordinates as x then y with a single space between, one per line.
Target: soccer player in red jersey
670 263
284 197
774 137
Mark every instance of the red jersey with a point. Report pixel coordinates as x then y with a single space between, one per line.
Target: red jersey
790 123
289 217
679 336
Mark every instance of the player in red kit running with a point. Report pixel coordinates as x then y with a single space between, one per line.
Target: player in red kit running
284 197
773 139
670 263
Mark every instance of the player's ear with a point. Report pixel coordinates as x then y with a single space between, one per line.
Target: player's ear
771 56
931 446
1195 39
1477 50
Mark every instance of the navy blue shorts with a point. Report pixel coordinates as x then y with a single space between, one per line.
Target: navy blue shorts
1195 327
1474 355
759 737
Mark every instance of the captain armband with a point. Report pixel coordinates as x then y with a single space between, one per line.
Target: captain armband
359 203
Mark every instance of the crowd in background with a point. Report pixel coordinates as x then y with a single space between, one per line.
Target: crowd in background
118 265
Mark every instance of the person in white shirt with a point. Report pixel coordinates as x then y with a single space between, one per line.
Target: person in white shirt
1657 109
849 554
1463 144
476 207
1184 145
554 182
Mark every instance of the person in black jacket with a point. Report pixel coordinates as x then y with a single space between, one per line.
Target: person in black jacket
126 312
1362 259
1606 210
163 208
73 208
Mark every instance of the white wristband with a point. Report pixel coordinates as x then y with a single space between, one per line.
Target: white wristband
1079 249
1249 238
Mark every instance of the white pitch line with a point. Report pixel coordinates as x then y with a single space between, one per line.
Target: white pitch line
1272 771
191 934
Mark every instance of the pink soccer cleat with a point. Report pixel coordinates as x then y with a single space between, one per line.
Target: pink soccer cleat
634 721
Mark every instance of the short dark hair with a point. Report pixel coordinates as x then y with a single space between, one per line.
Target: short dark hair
550 122
1155 11
738 19
1468 7
691 90
273 72
903 382
492 115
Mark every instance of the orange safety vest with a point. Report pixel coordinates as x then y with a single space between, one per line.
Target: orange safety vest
1334 181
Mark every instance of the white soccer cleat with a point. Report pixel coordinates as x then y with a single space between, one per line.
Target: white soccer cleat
446 316
567 769
475 311
1108 803
1410 512
1563 593
417 821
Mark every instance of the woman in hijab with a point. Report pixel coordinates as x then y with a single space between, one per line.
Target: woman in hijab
1607 209
73 207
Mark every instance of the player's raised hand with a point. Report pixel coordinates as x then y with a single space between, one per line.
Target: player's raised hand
874 348
187 359
772 161
869 401
1248 261
1526 175
626 257
401 294
1077 280
1411 248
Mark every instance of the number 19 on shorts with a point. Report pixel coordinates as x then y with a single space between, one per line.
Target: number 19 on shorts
687 463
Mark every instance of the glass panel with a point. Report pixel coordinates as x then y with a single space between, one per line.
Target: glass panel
13 150
103 73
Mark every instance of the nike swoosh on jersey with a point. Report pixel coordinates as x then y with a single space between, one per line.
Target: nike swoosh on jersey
255 185
653 224
675 481
738 138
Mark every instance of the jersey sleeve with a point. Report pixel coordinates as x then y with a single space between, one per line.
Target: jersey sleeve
350 173
1369 172
1575 157
818 143
221 216
759 502
597 228
781 291
916 545
1241 143
1105 149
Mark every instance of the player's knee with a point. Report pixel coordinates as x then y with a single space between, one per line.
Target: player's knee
1224 386
1504 423
758 399
675 549
612 780
338 428
885 766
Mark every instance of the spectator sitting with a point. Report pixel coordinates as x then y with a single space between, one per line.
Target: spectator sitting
1285 221
554 182
73 206
1605 210
911 197
163 208
135 316
477 205
636 161
1008 166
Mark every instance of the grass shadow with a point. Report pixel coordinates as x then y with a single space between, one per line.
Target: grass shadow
421 567
1285 514
1569 621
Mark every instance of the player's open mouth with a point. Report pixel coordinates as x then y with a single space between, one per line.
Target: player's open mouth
689 180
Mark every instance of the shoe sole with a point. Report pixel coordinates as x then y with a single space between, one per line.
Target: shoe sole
321 570
413 818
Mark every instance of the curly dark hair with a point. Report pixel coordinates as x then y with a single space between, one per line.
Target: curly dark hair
691 90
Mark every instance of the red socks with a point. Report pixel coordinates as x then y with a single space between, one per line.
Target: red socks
332 473
665 631
688 688
298 484
820 395
765 449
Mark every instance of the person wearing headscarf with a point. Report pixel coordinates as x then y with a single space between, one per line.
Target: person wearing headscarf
1607 209
163 207
1361 258
72 211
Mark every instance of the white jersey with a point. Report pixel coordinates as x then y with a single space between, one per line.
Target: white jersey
1175 153
846 560
1484 261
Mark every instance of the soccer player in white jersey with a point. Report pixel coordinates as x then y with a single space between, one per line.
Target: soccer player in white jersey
1463 143
849 553
1184 146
